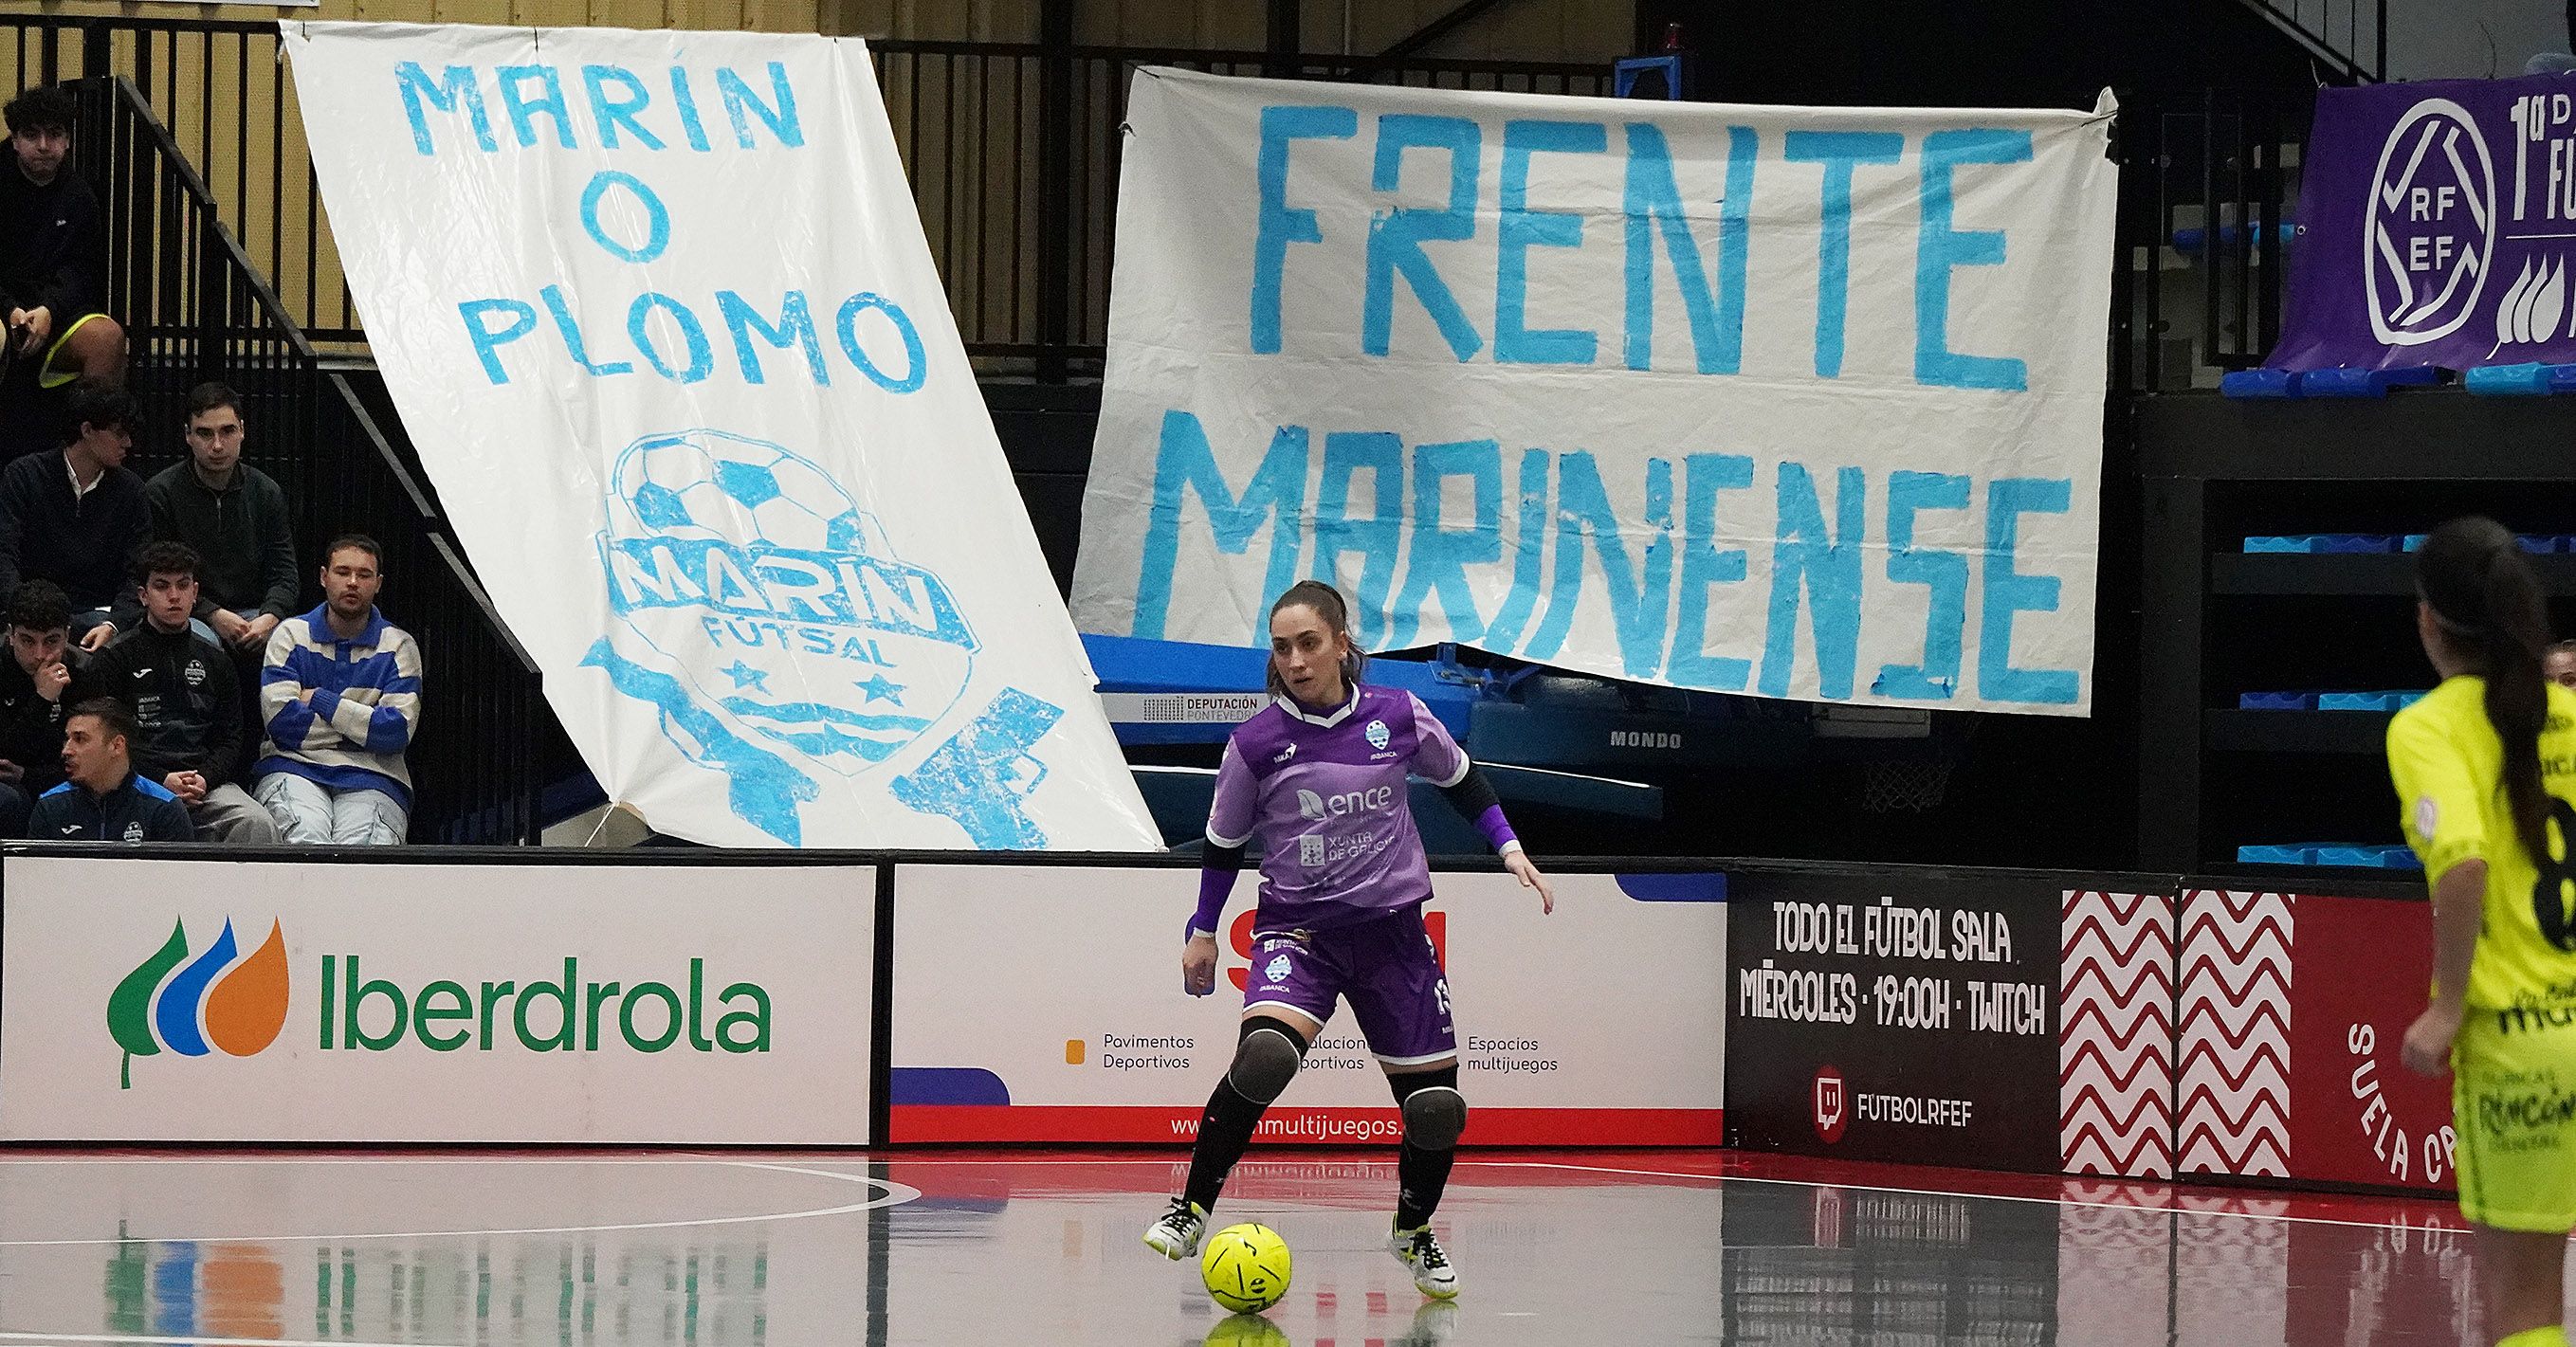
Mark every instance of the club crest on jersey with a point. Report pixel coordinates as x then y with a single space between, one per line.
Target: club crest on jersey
1277 969
1377 735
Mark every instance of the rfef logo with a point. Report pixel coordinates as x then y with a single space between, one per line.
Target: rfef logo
220 999
2432 227
1832 1105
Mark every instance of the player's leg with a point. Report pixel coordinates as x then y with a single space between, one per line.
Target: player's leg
91 346
1401 1002
1288 995
2516 1166
2521 1272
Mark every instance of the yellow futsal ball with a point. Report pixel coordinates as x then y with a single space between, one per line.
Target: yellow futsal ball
1245 1267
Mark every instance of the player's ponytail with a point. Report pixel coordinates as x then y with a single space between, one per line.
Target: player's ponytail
1336 614
2488 604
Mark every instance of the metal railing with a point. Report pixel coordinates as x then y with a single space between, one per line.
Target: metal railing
196 308
1012 151
2208 220
221 91
2349 37
1013 155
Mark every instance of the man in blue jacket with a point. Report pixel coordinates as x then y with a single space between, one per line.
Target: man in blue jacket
104 801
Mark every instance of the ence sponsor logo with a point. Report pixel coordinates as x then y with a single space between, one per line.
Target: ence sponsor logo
1317 808
217 1000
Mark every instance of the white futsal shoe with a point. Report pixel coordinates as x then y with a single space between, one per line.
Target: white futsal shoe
1421 1253
1176 1236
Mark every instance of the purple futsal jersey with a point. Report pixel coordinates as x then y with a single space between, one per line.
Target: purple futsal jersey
1327 795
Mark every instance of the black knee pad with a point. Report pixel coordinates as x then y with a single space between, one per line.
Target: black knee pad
1266 1057
1435 1113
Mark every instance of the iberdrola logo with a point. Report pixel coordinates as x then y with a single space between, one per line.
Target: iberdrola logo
217 1000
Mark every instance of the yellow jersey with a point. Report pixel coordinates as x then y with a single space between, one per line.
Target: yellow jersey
2448 765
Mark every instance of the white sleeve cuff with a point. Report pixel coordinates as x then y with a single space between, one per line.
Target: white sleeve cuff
1216 841
1510 847
1465 765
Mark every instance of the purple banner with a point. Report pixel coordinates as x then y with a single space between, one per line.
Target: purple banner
2438 227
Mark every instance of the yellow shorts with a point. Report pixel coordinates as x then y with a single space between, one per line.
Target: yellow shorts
2513 1105
46 375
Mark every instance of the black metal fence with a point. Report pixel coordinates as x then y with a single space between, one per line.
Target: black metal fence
196 308
1013 154
1012 151
2208 223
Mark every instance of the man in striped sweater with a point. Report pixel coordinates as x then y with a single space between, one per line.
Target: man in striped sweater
340 694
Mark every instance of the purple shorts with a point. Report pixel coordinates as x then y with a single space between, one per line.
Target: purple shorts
1384 967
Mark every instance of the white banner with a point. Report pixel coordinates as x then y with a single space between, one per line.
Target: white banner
1795 402
657 310
153 1000
1046 1005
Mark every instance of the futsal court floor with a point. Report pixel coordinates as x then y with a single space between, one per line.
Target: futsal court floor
787 1249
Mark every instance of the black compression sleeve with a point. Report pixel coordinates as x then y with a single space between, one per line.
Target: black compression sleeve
1472 796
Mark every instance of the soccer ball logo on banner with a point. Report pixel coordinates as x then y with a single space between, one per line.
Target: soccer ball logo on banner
2432 226
781 636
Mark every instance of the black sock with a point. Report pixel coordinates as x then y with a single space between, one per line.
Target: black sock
1420 1176
1224 1131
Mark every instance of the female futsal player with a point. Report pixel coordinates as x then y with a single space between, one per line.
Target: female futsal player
2484 766
1320 775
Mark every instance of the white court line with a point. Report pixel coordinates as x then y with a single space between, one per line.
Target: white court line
2263 1195
192 1340
895 1194
2005 1197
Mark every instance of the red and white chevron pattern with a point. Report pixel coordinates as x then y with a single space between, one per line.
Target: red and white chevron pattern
2233 1082
2115 1040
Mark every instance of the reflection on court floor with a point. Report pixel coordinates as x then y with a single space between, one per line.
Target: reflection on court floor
811 1248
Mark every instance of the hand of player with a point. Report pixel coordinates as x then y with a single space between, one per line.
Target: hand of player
1198 965
2428 1039
255 632
51 679
188 786
33 326
1526 870
228 626
98 637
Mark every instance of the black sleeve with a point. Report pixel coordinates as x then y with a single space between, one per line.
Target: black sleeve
1472 796
277 559
1226 859
45 821
167 821
14 509
77 283
224 737
125 611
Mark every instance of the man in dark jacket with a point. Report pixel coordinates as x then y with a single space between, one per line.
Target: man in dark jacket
35 694
76 517
185 701
105 800
234 515
53 252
